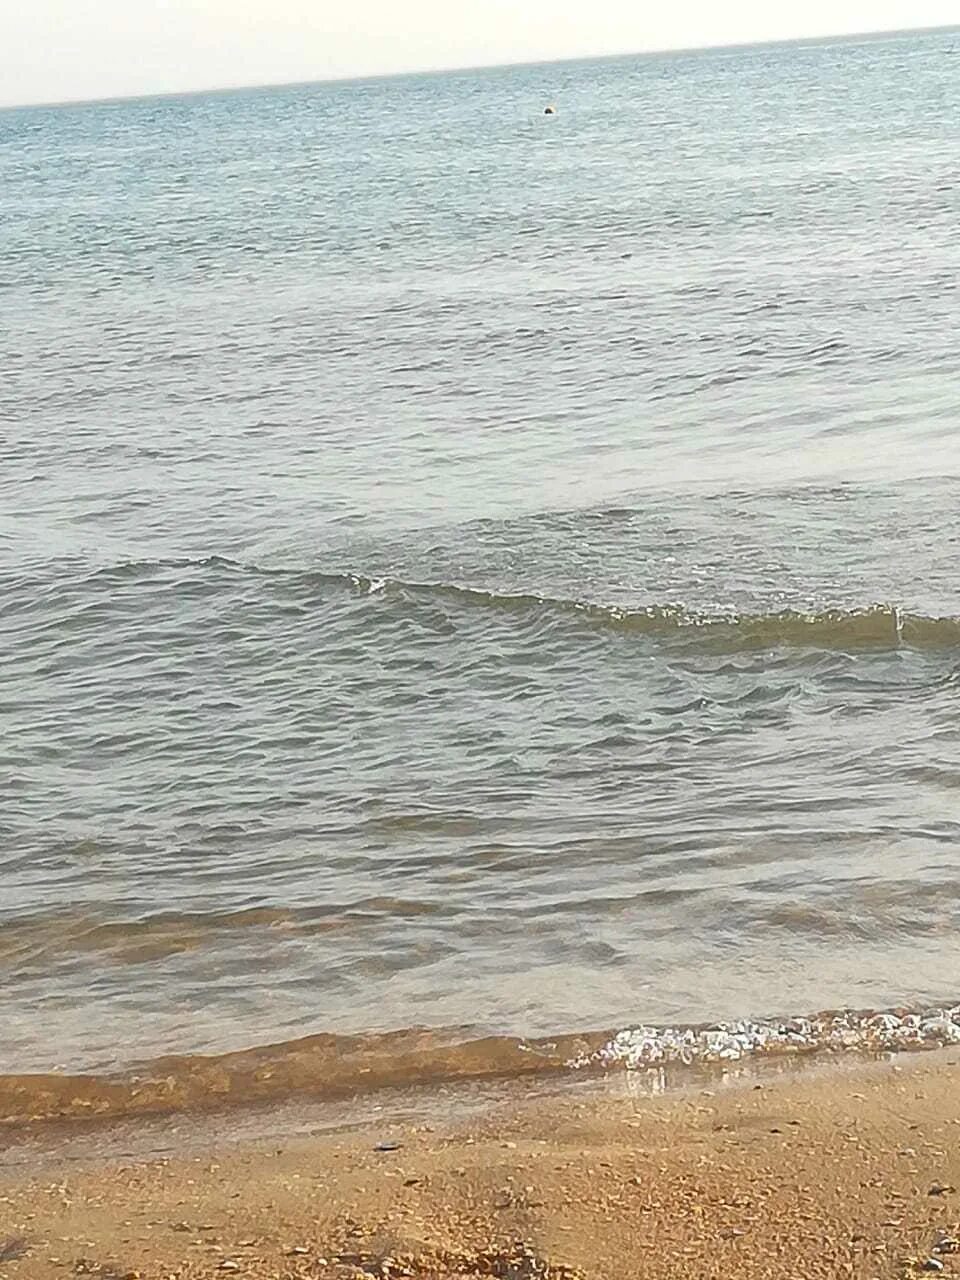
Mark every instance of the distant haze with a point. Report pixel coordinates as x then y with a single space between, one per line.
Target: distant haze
51 50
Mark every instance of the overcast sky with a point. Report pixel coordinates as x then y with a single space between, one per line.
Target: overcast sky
54 50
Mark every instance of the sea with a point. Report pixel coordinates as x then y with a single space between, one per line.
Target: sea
474 576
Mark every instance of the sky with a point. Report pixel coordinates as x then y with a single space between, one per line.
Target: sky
61 50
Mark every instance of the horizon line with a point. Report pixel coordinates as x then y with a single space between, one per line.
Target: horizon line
464 68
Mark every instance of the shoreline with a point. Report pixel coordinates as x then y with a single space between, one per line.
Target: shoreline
329 1067
834 1169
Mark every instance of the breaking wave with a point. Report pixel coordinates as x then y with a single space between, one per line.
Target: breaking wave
876 626
330 1066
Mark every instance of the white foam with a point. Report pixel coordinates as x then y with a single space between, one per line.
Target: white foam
645 1046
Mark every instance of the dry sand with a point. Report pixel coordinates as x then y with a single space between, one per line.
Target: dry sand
826 1174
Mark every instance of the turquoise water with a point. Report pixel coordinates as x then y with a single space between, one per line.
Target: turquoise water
460 566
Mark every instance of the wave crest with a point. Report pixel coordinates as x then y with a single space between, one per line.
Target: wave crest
331 1066
875 626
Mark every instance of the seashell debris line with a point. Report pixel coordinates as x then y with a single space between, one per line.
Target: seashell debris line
843 1031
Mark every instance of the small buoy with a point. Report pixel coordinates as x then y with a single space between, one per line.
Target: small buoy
551 110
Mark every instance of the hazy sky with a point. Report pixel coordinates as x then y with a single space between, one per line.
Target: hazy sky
51 50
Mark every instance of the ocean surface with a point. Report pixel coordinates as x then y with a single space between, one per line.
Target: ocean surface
469 569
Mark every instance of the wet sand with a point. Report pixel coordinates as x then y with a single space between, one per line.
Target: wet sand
845 1172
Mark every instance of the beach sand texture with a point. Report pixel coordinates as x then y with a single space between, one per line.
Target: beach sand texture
817 1174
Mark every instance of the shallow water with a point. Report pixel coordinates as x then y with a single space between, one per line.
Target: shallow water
464 568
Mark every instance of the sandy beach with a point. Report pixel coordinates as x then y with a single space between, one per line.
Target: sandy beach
818 1173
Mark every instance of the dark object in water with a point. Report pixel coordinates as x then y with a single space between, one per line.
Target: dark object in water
551 110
